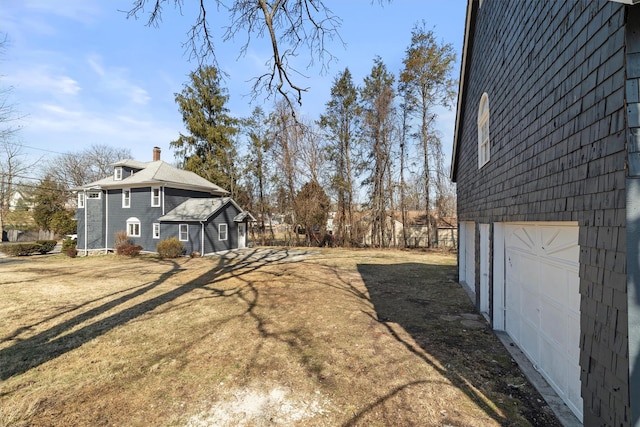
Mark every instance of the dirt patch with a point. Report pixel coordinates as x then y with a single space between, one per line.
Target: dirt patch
260 337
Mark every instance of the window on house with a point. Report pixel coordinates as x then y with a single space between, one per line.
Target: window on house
155 196
133 227
117 174
93 194
126 198
222 231
80 200
484 142
156 230
183 235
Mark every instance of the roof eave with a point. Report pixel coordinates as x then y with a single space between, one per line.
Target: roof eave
466 47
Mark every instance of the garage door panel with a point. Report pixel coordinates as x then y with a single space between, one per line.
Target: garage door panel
529 341
553 362
529 306
552 282
560 243
543 302
553 324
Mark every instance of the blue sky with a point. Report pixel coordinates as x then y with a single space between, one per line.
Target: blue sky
83 74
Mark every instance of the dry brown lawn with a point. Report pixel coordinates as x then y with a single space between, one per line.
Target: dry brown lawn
261 337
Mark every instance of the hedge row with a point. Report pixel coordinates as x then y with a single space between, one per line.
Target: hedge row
28 248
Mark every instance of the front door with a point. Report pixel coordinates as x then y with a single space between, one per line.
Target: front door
242 235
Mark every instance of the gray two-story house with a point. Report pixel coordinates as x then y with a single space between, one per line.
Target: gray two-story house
153 201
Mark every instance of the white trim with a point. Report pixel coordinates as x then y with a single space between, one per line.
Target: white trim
484 134
81 203
499 307
155 233
180 232
484 269
226 232
117 173
158 204
135 222
126 198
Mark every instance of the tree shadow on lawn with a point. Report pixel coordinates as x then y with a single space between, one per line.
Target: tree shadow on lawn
57 340
427 302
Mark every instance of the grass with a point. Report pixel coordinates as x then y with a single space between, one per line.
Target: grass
320 337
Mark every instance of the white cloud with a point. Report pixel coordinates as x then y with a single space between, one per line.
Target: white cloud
116 81
44 80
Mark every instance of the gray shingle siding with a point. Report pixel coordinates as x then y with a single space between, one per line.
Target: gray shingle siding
633 216
555 76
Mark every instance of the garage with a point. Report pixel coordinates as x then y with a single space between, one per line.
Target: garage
542 302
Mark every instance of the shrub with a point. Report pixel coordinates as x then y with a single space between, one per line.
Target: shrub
71 252
129 250
20 249
121 239
69 243
170 248
46 245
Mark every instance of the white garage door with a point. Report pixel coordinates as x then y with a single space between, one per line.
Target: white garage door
543 302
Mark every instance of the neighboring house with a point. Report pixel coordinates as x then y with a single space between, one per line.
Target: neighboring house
153 201
547 164
20 202
443 235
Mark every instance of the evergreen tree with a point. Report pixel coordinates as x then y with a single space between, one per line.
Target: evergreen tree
208 149
49 200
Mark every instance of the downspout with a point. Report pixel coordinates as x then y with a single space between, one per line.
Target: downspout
85 220
202 238
106 222
162 192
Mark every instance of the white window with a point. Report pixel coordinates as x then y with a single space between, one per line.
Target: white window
133 227
93 194
155 196
184 233
80 199
117 174
126 198
156 230
222 231
484 142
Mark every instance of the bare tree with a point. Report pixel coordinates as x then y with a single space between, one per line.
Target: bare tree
285 132
341 122
290 26
428 84
88 165
80 168
12 158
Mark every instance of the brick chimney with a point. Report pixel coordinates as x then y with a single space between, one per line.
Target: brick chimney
156 154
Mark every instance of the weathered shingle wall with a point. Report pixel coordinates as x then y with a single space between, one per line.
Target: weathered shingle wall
555 75
633 205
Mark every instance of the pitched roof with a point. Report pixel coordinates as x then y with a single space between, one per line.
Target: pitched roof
199 209
156 173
